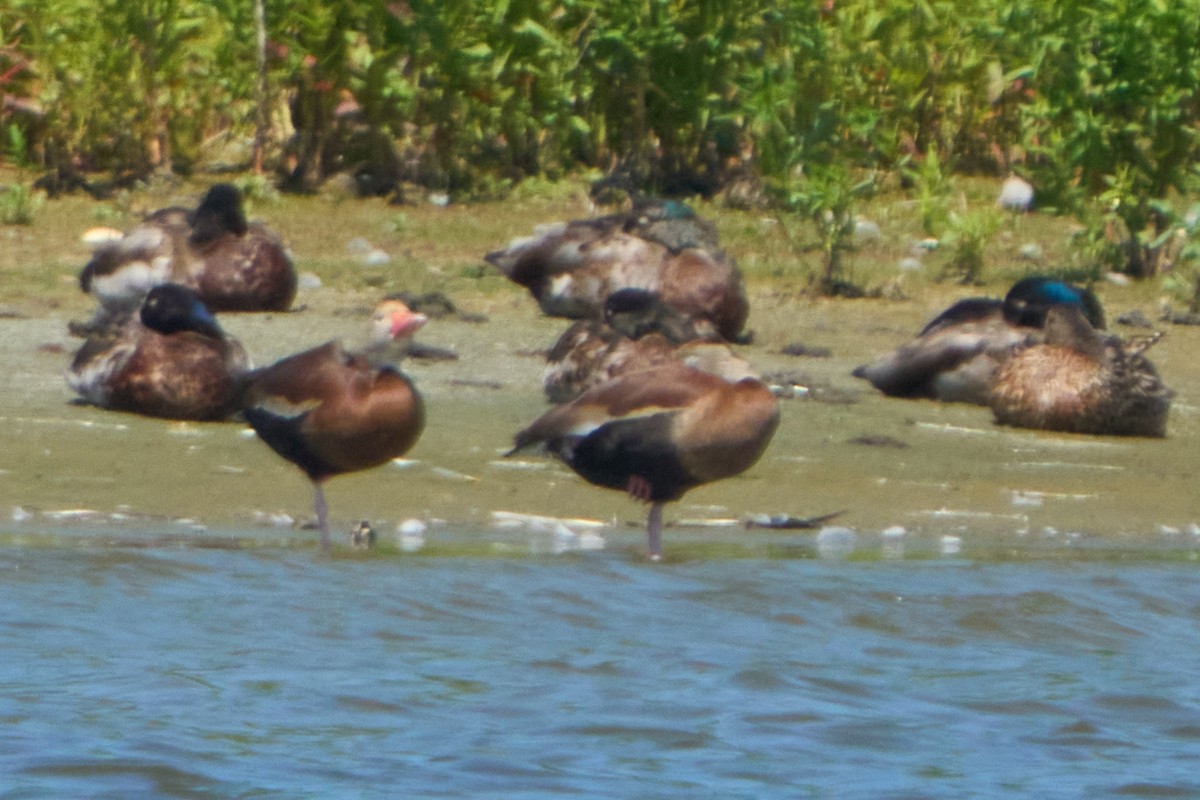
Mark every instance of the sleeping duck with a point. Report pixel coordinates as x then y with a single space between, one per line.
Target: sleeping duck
168 359
231 264
663 247
955 356
1078 380
656 434
331 411
638 332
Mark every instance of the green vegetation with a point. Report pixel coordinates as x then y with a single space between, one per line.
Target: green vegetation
19 204
799 106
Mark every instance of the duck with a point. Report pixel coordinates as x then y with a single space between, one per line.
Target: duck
638 331
332 411
169 359
1078 380
662 246
656 434
232 264
955 356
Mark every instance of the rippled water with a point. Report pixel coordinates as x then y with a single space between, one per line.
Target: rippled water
492 667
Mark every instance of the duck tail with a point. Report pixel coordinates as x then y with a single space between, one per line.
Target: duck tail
1140 344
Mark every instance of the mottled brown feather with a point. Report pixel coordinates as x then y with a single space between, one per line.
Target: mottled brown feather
1081 381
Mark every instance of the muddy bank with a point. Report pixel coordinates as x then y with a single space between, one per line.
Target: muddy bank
931 469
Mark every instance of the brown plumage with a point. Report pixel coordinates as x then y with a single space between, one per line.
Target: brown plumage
656 434
330 411
1081 381
232 264
170 359
590 352
955 356
638 332
571 268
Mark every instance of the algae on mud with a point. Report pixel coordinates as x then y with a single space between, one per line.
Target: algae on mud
934 470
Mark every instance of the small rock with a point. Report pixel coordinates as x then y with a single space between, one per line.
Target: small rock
801 349
878 440
412 527
835 542
1135 319
308 281
866 231
95 236
1016 194
410 535
1027 499
376 257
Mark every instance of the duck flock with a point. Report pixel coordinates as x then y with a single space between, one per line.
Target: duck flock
649 393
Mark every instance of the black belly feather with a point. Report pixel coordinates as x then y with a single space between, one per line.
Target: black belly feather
616 451
284 436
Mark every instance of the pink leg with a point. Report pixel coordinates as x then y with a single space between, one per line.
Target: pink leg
639 488
322 514
654 531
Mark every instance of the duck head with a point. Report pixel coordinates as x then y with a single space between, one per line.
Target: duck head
394 320
1029 299
220 212
171 308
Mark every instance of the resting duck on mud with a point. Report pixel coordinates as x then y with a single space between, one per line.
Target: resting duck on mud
168 359
661 246
231 264
954 358
638 332
1079 380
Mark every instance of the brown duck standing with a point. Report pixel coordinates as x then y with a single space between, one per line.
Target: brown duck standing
330 411
656 434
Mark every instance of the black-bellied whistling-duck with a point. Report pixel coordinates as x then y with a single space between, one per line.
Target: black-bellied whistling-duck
955 357
330 411
570 268
658 433
638 332
1081 381
233 265
168 359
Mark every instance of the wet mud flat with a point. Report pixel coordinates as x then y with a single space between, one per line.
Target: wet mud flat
906 474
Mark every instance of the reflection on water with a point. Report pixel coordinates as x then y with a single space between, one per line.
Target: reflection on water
490 662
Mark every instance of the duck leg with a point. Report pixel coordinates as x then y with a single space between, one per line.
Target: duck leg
654 531
322 510
641 489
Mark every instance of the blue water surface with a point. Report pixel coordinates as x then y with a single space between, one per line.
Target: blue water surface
281 673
